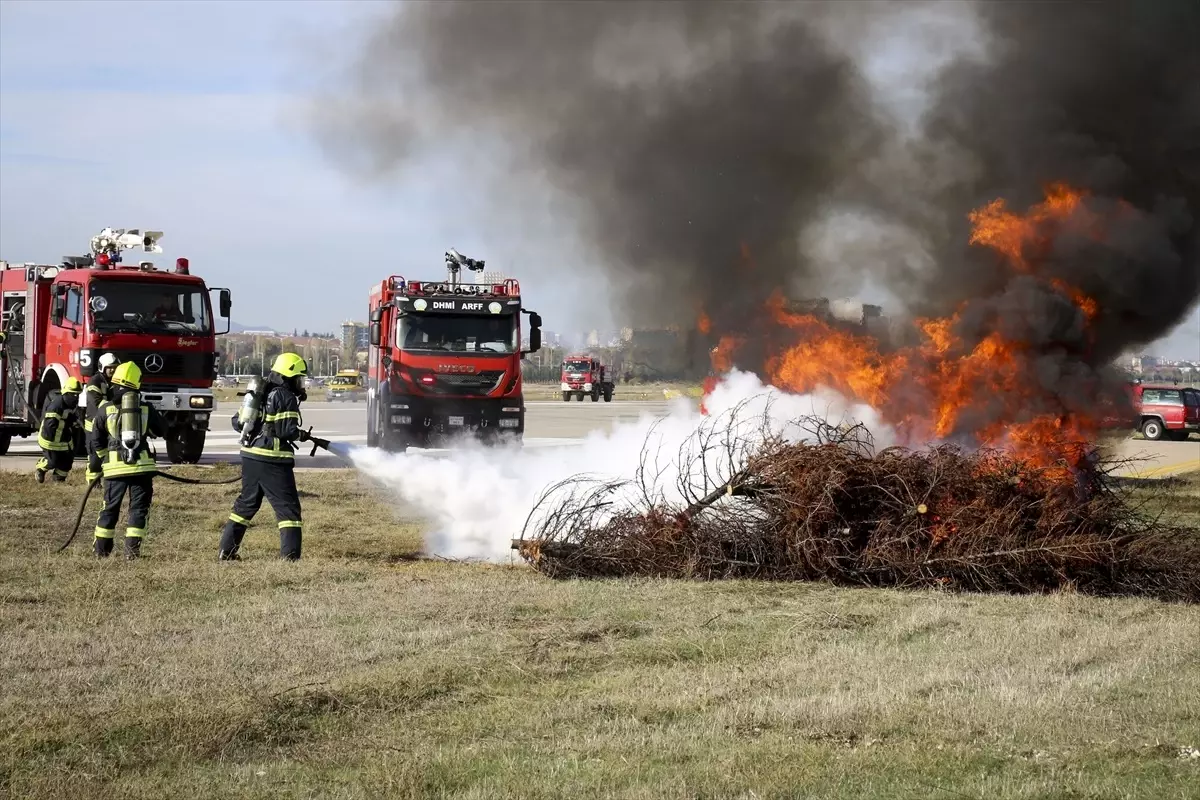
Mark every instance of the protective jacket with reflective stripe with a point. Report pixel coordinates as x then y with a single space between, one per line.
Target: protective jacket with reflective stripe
275 441
107 438
97 393
58 426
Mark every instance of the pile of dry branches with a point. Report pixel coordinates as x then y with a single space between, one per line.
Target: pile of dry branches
827 506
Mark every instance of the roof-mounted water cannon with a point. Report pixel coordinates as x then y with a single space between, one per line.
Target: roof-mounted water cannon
455 261
108 244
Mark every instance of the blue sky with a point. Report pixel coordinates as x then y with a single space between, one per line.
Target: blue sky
191 118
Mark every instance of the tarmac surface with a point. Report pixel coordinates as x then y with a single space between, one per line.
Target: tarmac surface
554 424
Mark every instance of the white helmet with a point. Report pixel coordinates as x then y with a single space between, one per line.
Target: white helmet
107 360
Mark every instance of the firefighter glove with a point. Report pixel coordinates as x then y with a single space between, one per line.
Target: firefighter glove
303 435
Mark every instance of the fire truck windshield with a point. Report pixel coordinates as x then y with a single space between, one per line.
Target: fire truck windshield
145 306
456 333
577 366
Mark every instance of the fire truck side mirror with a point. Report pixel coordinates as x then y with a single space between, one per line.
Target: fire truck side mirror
374 333
535 340
58 307
226 302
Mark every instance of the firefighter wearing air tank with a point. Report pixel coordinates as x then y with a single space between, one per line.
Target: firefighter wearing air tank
269 421
99 389
57 434
123 427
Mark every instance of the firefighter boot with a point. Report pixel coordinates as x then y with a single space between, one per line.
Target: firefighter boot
289 544
39 474
133 547
102 547
231 542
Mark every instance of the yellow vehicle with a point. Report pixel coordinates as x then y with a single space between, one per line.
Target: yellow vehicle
346 385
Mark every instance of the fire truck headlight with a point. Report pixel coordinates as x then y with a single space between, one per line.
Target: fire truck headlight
200 401
565 387
587 387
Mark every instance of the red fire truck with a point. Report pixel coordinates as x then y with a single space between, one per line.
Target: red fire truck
445 359
59 320
585 375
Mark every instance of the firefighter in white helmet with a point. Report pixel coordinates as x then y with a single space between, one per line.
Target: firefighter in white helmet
99 389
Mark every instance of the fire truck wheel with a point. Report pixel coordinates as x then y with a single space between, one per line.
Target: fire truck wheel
185 446
1152 429
394 442
595 397
608 396
566 397
5 441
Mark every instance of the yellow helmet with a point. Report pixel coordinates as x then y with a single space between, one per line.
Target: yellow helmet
128 375
72 386
289 365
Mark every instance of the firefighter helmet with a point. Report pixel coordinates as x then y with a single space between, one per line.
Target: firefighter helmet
72 386
289 365
107 360
128 375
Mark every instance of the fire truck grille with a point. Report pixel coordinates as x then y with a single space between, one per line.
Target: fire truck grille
479 383
174 366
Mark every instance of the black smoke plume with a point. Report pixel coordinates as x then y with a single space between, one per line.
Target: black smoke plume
698 140
1104 97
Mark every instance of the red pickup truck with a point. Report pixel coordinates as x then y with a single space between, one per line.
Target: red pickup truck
1167 411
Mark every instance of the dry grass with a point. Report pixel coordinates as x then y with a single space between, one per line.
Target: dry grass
360 672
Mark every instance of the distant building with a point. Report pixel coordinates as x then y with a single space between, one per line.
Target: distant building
355 336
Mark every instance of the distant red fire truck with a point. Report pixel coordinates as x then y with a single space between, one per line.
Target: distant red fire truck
584 375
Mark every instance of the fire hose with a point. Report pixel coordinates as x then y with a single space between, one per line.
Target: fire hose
317 442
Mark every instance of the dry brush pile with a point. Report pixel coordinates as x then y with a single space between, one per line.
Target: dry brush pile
827 506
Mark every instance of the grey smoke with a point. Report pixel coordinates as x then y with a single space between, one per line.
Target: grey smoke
681 131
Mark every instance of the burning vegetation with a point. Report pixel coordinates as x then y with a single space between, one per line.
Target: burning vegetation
819 502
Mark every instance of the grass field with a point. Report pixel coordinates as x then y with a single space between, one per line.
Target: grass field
366 672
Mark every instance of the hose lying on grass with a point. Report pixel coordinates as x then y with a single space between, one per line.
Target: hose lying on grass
92 484
833 509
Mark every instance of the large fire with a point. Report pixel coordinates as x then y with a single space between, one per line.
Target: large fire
944 387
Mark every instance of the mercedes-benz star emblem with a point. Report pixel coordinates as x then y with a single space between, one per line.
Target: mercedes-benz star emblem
153 362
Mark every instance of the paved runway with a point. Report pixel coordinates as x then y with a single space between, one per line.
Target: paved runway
553 424
547 424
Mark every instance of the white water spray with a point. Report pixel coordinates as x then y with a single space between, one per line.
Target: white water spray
478 499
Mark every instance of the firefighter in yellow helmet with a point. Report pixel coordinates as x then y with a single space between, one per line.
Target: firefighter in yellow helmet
268 459
123 427
57 434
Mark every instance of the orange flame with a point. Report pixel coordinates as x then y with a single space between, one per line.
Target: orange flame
943 386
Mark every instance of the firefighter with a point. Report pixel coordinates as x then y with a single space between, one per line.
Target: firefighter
99 389
123 426
57 434
268 460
